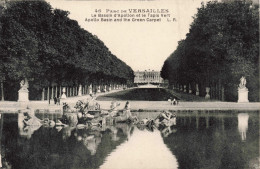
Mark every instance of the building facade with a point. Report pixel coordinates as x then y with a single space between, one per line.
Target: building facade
147 76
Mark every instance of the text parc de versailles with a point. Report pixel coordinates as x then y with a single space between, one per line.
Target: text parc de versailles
150 15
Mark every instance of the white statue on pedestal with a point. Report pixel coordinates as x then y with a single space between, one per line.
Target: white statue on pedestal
242 82
63 96
207 93
80 90
23 95
242 90
24 85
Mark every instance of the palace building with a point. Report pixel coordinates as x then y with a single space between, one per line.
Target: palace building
147 76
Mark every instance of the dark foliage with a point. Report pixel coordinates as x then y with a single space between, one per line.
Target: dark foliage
46 47
221 46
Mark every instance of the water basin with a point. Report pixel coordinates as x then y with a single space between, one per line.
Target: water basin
198 139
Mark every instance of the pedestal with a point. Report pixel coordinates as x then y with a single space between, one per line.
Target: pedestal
23 98
207 91
23 95
242 95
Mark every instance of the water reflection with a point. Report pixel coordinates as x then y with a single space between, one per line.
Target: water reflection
3 161
212 141
66 132
1 128
144 150
92 142
168 130
72 147
25 130
194 140
243 124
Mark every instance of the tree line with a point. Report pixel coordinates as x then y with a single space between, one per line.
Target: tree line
45 46
222 46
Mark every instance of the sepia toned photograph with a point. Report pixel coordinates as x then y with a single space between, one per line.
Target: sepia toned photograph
129 84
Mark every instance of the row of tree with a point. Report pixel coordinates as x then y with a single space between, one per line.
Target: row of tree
222 45
45 46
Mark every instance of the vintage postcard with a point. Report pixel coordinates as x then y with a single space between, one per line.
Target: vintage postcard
129 84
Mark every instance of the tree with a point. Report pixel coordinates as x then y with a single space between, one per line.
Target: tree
221 46
46 47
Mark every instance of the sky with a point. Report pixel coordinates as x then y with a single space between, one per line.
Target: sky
141 45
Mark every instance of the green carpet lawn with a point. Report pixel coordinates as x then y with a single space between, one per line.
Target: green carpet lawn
147 94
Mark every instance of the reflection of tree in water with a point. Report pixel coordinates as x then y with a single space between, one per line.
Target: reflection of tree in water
52 148
212 146
9 137
3 161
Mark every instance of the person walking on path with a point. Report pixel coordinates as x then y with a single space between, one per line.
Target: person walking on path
55 100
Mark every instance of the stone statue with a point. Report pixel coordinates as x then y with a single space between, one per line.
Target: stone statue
242 91
23 96
24 84
63 96
242 82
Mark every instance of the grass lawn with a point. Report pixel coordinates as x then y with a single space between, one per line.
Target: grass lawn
147 94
